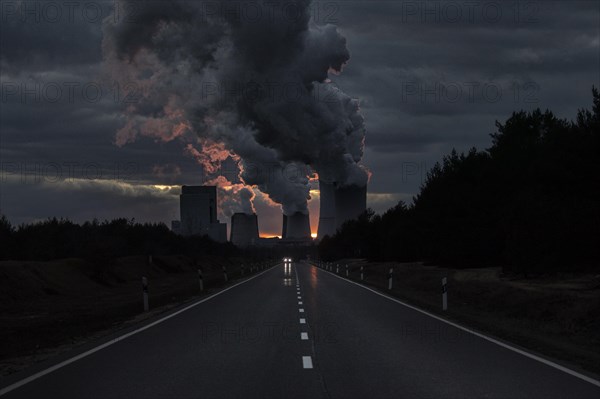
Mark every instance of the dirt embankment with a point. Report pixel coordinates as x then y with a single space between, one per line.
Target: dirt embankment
556 316
46 307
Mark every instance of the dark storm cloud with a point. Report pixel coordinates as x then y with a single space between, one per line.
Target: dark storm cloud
406 57
419 71
40 36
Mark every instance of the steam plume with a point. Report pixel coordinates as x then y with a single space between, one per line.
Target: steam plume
256 88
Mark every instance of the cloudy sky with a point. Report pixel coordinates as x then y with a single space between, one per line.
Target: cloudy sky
430 76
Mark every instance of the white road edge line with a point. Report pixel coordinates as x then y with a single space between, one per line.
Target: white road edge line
303 336
302 321
307 362
480 335
64 363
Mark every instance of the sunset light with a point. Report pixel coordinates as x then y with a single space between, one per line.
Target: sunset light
299 198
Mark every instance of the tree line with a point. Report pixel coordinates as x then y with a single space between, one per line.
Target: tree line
100 242
530 203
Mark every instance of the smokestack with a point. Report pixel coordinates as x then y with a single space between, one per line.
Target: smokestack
244 229
327 210
350 202
297 226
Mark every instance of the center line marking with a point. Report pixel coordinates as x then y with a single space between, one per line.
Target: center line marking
301 310
307 362
303 336
299 297
302 321
299 302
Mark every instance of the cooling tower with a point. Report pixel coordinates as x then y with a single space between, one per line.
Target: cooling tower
349 202
297 226
244 229
284 227
327 210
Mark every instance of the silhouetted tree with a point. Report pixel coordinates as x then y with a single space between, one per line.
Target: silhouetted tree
530 202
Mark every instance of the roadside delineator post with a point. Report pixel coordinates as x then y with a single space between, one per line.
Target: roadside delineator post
390 278
145 293
444 293
200 280
225 273
337 269
362 275
346 270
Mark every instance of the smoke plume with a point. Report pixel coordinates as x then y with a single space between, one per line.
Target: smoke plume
253 86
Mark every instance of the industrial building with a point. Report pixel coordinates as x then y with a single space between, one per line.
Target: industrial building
339 204
198 212
326 210
296 227
244 230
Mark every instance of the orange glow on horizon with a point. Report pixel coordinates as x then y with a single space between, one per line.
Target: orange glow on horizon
266 235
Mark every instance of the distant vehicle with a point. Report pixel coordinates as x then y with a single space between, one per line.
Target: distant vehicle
287 259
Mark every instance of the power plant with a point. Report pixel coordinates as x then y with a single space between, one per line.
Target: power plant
296 227
244 230
326 210
198 211
350 202
338 205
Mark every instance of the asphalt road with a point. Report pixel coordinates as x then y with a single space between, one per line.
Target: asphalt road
303 332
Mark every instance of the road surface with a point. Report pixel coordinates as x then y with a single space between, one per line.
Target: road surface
301 332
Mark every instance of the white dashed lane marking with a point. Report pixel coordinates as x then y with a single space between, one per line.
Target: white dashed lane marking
301 310
307 362
303 336
302 321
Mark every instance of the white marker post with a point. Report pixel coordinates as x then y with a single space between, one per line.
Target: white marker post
145 293
225 273
200 280
337 269
346 270
390 278
444 294
362 275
